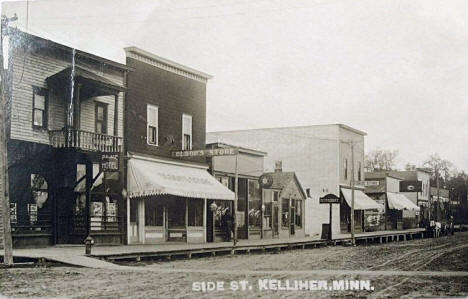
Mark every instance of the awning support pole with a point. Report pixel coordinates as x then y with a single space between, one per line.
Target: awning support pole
353 240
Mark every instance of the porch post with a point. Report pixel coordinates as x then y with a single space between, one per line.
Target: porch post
89 180
116 115
76 106
204 220
186 220
141 220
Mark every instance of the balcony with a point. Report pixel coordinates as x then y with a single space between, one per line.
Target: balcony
68 138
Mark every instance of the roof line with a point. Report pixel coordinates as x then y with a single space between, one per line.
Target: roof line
303 126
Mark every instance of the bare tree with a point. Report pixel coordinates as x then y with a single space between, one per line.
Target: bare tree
379 160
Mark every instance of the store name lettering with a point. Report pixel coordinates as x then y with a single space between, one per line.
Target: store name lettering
185 179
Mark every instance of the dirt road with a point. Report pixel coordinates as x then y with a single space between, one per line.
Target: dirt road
413 269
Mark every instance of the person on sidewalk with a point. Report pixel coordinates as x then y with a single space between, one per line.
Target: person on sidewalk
226 223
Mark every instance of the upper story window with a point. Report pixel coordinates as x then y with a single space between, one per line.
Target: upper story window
186 132
345 169
359 172
39 117
152 124
101 118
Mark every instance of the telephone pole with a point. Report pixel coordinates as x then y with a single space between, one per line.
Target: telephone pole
353 240
4 188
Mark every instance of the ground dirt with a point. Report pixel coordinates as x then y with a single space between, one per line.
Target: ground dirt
150 279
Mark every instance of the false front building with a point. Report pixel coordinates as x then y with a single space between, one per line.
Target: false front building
65 140
321 156
168 196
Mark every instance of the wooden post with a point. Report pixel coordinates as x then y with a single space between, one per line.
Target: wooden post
236 191
4 186
330 228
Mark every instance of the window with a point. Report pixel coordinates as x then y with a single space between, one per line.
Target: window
195 212
186 132
101 118
345 169
154 213
152 124
359 172
267 196
285 212
39 116
176 212
298 213
255 204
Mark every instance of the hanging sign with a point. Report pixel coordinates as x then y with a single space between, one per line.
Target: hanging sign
206 152
410 186
109 162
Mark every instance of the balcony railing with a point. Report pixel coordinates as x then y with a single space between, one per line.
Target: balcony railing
84 140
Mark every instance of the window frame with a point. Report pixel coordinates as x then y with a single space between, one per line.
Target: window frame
148 125
44 92
184 117
104 126
345 168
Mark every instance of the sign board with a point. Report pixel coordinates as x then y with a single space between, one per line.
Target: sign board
109 162
330 198
206 152
265 180
410 186
371 183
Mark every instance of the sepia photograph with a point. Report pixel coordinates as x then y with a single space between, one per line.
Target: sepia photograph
234 149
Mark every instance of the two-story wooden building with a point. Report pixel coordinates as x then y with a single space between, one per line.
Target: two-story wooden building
65 140
165 112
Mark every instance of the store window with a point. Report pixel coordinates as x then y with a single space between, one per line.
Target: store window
186 132
133 211
267 201
39 107
298 220
101 118
176 212
221 207
285 212
36 210
195 212
255 204
154 212
152 119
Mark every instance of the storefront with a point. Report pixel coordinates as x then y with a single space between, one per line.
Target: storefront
367 212
169 200
402 213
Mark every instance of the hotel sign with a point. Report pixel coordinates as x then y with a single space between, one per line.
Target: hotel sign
330 198
109 162
206 152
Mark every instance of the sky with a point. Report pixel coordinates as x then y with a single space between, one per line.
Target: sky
396 69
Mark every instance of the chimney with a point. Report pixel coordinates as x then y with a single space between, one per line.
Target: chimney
308 192
278 166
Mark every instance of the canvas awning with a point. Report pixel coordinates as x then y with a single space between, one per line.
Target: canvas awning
361 200
148 177
399 201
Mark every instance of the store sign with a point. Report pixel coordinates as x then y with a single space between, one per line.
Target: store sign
410 186
206 152
330 198
371 183
109 162
265 180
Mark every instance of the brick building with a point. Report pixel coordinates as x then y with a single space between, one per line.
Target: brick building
65 137
166 111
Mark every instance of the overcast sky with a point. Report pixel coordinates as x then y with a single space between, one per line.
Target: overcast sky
396 69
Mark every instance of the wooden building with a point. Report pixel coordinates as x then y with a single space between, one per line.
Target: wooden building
249 206
168 197
65 140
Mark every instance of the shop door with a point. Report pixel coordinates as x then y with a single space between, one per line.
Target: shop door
292 220
70 225
275 217
209 222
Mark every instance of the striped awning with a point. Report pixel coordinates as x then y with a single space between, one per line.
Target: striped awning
361 200
398 201
147 177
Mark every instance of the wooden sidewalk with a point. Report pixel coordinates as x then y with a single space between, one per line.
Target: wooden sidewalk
101 255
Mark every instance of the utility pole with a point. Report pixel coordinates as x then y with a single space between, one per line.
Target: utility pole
353 240
236 190
438 198
4 188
